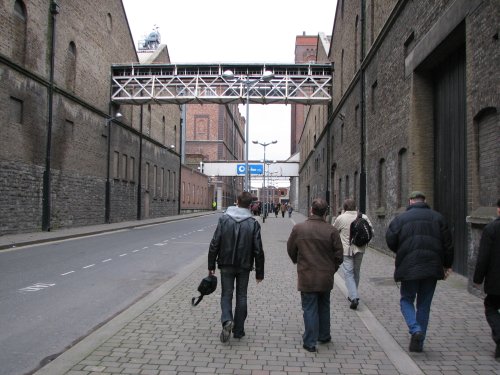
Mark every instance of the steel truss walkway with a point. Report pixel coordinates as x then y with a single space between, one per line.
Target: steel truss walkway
211 83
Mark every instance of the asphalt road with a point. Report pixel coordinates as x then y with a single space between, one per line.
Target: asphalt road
54 294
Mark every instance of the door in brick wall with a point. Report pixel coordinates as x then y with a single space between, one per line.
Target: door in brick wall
450 153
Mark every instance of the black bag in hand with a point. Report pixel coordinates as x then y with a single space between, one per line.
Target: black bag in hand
206 287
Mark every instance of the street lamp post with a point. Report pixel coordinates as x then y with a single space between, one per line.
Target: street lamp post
107 197
264 144
229 75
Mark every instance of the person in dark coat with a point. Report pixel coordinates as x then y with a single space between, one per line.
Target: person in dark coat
316 248
488 270
424 254
236 245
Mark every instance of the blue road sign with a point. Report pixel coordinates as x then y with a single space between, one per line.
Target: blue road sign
254 168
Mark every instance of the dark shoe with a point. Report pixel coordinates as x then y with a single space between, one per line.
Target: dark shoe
417 342
354 303
497 352
325 341
311 349
226 331
238 335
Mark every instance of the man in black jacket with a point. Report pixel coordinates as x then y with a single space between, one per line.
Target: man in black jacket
488 270
424 254
236 246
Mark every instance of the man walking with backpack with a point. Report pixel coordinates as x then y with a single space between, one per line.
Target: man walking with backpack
424 254
354 244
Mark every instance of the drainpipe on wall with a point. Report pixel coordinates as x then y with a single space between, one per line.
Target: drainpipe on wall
139 176
362 178
46 201
181 157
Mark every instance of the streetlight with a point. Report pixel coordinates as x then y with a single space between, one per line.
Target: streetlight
266 76
264 144
107 198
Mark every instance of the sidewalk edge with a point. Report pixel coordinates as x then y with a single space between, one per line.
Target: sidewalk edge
399 358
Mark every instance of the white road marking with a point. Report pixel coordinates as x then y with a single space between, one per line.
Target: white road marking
122 255
160 244
67 273
90 265
36 287
106 260
135 251
145 247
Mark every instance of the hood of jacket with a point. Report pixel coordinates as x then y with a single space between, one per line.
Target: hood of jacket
238 214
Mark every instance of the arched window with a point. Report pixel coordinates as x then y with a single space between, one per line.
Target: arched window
164 130
356 43
355 187
342 73
18 32
148 120
488 135
381 184
71 66
20 10
402 177
347 187
109 22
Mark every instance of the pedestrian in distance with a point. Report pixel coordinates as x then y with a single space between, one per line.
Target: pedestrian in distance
315 247
283 210
353 255
488 270
290 210
424 254
236 247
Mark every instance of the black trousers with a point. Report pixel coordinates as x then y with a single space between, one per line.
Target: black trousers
491 310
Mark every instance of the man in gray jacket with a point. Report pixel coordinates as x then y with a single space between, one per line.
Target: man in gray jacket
315 247
236 245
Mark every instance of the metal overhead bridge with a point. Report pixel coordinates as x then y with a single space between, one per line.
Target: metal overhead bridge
222 83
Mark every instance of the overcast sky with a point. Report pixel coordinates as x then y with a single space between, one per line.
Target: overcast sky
261 31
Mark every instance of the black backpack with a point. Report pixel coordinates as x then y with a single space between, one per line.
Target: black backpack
360 231
206 287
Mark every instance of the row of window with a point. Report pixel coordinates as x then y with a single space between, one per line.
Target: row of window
158 181
346 190
195 194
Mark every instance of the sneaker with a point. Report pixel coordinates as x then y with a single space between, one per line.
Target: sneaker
238 335
497 352
325 341
354 303
417 342
226 331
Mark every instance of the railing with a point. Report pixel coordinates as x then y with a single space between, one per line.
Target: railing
205 83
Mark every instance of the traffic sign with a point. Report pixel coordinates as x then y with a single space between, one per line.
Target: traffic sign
254 169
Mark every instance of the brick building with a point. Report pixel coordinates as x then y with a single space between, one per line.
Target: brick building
98 167
415 107
216 133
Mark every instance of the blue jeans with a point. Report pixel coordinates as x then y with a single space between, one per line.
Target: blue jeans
352 266
423 291
316 308
228 277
